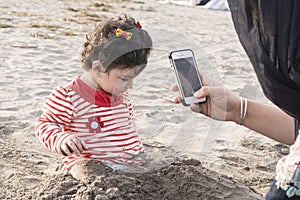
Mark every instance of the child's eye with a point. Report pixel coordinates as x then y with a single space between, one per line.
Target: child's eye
124 79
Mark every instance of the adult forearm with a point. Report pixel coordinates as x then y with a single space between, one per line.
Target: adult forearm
270 121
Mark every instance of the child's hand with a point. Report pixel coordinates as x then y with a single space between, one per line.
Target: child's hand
72 145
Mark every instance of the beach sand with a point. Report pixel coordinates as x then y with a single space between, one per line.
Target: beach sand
195 157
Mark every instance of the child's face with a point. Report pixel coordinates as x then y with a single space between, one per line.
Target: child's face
117 81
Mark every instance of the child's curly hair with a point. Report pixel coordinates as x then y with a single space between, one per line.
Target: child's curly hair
112 51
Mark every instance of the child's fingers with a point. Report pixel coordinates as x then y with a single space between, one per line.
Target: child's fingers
83 145
79 145
73 148
66 150
72 145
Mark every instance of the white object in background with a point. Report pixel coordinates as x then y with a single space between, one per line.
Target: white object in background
217 5
182 2
193 2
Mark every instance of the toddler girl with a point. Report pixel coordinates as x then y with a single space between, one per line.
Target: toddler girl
91 118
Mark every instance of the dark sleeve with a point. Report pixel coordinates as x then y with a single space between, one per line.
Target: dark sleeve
297 127
269 31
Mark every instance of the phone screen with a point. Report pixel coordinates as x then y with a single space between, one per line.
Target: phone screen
188 75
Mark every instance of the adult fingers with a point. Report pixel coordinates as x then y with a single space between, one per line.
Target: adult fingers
202 108
203 92
177 99
210 91
196 108
174 88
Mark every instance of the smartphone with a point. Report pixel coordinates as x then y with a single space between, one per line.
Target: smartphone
187 75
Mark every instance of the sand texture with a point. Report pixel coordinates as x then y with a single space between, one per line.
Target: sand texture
194 157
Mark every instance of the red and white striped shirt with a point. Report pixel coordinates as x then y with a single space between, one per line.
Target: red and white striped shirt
102 121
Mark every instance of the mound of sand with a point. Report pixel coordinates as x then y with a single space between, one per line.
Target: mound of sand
183 179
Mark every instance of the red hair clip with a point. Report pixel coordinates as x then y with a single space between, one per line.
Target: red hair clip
138 24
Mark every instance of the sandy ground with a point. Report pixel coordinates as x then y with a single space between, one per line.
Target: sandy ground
196 157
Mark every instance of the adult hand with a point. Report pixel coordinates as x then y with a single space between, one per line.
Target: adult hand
221 104
72 145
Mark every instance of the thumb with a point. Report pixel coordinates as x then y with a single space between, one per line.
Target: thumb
203 92
210 91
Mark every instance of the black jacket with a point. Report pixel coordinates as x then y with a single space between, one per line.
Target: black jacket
269 31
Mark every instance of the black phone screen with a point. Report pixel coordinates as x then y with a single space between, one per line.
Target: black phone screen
188 75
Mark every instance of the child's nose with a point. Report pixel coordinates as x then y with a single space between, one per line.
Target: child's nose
129 84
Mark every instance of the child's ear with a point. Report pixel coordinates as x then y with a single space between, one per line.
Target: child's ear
97 67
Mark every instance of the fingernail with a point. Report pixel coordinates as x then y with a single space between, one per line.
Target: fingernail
196 94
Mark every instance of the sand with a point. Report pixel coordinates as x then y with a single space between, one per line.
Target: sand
195 157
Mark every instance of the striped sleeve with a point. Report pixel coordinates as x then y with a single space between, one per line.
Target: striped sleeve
52 126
